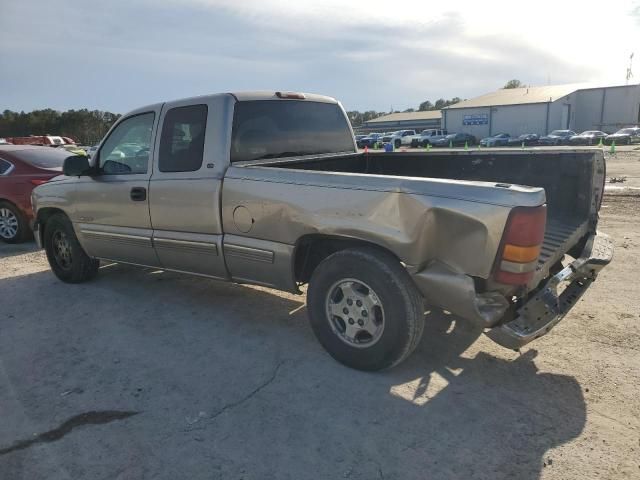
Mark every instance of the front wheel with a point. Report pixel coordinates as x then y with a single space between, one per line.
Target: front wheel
67 259
397 143
364 309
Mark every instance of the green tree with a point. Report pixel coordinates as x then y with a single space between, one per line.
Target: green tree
84 126
515 83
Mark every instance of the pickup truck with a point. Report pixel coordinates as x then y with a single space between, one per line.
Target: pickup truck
268 188
399 138
426 137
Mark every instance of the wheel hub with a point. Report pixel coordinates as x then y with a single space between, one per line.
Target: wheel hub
8 224
61 250
355 313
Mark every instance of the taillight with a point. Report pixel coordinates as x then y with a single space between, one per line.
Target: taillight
521 243
37 182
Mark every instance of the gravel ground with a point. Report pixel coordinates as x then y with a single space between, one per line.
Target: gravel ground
142 374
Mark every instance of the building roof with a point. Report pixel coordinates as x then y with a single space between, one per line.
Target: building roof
517 96
408 117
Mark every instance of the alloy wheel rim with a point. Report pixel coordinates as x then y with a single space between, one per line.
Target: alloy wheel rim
355 313
8 224
61 250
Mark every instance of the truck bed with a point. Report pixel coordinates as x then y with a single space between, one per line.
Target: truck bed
567 177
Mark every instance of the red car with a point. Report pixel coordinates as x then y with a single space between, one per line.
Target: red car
22 168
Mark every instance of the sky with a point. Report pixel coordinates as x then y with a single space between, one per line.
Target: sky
117 55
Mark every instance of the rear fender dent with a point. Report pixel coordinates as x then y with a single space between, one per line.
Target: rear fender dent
456 293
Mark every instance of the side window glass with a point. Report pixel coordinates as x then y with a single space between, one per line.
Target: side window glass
126 151
4 166
182 140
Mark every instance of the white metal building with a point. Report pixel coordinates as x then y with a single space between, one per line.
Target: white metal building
403 121
539 110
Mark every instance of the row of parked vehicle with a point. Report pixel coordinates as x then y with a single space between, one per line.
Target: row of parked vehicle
409 138
624 136
441 138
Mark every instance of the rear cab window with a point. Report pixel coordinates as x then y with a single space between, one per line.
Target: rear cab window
265 129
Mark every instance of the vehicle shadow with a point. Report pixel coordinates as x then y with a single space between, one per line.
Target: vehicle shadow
222 355
13 249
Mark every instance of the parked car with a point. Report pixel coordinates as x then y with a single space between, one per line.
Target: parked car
358 138
455 140
427 137
588 137
262 200
527 138
370 140
624 136
557 137
395 138
23 167
497 140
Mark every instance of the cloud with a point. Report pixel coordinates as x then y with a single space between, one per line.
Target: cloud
121 54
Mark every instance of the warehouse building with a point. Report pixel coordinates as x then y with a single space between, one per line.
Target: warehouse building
403 121
516 111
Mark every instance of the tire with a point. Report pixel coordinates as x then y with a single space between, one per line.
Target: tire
67 259
14 227
391 329
397 144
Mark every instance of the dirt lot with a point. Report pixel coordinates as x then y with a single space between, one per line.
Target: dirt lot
142 374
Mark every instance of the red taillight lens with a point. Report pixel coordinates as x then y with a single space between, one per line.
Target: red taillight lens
521 244
37 182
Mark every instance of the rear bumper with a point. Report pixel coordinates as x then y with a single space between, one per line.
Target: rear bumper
550 305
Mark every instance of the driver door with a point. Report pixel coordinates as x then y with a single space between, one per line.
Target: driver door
111 215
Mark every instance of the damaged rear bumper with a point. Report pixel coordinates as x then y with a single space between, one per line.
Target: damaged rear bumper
543 310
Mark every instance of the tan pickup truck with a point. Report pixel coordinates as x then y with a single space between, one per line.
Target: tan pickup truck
268 188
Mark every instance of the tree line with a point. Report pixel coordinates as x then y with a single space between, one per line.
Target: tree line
87 127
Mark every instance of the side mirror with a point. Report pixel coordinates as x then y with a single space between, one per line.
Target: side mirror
76 166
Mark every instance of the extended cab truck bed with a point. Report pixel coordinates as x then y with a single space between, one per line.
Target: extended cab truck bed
242 187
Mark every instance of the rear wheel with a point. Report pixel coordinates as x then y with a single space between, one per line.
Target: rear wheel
397 143
14 227
364 309
67 259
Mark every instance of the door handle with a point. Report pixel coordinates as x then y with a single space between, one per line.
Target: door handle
138 194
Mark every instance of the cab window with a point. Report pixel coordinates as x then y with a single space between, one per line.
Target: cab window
126 150
182 140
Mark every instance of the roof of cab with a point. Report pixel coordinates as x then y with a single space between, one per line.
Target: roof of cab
271 95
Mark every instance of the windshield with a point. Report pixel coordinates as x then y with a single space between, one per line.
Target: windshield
626 131
45 157
559 133
451 135
288 128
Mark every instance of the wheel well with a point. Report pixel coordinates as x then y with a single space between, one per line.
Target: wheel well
44 214
311 250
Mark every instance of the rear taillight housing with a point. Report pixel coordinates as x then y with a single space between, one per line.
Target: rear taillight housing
521 244
37 181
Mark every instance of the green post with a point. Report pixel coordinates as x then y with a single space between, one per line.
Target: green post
612 150
450 143
600 142
466 145
522 146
